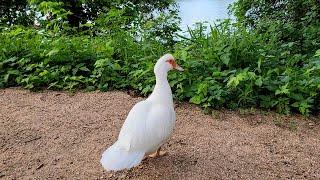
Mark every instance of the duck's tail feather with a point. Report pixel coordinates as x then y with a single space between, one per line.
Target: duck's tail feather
116 158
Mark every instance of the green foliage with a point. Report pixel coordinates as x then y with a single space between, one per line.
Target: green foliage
33 60
261 62
245 69
295 22
15 12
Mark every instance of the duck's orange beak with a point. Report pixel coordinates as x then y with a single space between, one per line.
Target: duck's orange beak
175 65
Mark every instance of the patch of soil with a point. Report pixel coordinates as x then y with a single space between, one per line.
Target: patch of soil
51 135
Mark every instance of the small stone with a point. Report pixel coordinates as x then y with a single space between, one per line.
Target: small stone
122 176
311 124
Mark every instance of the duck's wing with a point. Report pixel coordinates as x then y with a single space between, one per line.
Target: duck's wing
132 136
147 126
128 151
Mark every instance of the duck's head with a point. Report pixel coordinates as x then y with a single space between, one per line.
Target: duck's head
166 63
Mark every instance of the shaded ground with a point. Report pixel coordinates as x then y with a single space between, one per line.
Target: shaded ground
54 135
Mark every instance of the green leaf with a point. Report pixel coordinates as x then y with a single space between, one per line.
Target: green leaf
90 88
10 60
83 68
233 82
195 100
116 66
6 78
317 54
283 90
43 73
259 82
53 52
101 63
225 58
103 87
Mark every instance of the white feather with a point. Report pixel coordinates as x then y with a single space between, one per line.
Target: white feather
148 125
115 158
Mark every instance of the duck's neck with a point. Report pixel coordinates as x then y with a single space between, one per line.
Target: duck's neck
162 91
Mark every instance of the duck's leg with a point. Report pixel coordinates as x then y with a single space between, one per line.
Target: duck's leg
158 153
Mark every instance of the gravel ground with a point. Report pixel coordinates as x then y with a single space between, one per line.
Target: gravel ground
52 135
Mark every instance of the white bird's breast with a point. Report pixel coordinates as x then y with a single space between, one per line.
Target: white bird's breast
159 125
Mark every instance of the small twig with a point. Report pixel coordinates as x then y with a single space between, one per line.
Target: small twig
33 139
40 166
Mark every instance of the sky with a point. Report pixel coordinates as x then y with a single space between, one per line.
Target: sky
192 11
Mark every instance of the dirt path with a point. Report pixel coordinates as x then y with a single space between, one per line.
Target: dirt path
53 135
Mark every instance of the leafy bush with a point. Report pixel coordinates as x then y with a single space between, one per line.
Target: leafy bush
35 59
295 22
248 63
234 67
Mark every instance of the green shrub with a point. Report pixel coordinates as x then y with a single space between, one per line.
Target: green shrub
261 62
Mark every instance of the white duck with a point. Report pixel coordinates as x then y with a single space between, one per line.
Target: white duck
148 125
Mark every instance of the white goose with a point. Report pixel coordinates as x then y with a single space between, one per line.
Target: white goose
148 125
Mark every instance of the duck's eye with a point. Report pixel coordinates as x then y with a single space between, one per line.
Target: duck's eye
170 61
